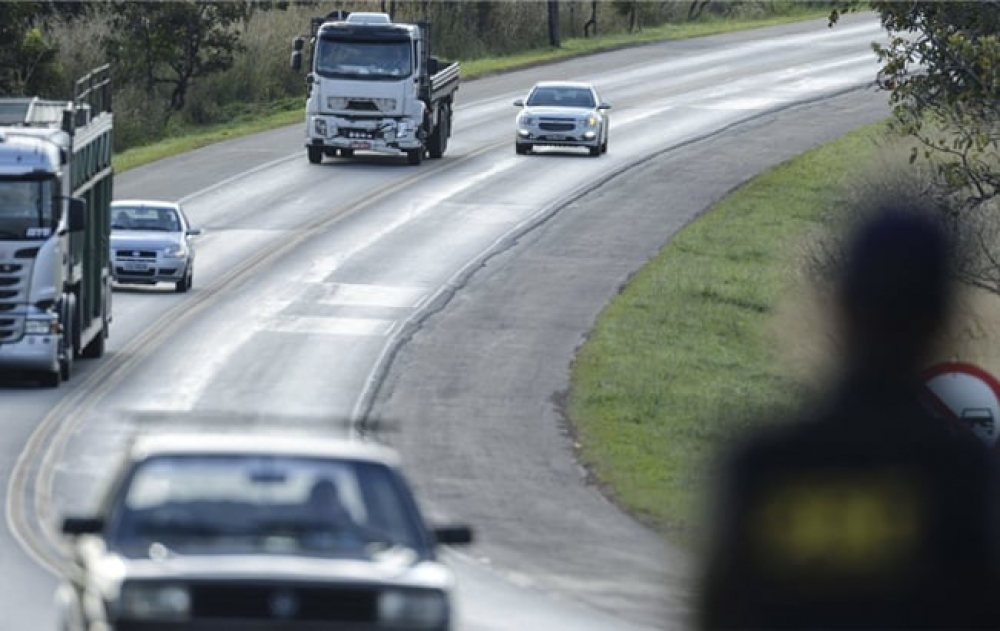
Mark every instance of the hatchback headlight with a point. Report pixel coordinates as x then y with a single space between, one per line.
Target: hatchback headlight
154 602
175 252
420 609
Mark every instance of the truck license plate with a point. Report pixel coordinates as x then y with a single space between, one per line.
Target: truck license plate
361 144
137 267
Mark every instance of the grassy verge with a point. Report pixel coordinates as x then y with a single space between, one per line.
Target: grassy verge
290 111
686 346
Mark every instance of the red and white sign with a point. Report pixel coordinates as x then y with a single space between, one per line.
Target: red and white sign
967 394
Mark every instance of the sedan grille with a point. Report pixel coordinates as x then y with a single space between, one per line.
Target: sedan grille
269 602
556 126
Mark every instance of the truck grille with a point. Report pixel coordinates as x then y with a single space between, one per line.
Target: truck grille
13 298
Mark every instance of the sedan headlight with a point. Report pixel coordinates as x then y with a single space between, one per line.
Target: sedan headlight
154 602
175 252
420 609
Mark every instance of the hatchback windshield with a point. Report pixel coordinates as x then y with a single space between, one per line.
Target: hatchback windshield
145 218
254 504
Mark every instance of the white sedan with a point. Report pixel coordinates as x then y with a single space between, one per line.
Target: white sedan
562 114
151 243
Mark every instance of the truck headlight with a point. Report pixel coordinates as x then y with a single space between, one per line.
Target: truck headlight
525 120
319 125
159 602
175 252
591 121
420 609
41 327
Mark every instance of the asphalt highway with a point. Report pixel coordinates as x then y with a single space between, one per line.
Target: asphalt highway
447 297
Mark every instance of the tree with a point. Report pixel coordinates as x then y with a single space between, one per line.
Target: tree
555 36
28 60
171 44
941 66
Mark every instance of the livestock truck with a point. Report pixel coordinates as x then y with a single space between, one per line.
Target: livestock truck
374 86
55 195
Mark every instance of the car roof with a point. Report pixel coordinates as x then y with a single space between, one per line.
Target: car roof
195 443
152 203
564 84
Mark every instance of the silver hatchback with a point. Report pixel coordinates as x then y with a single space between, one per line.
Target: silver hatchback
151 243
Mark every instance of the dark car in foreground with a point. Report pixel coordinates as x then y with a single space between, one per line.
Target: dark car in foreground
249 533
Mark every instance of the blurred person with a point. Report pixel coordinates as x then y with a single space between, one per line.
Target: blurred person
867 511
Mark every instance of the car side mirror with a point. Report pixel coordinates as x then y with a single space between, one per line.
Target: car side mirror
193 232
604 106
74 526
453 535
77 214
519 103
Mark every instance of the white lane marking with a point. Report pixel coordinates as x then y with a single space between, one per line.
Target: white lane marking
355 327
347 294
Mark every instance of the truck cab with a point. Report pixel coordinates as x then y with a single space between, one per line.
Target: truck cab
374 87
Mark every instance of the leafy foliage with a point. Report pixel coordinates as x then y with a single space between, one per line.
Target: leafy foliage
28 62
171 44
941 65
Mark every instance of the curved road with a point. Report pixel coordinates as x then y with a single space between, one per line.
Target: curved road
448 298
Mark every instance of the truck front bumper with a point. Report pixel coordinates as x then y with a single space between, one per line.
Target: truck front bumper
382 135
31 352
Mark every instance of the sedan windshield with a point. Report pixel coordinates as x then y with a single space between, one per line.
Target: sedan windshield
559 96
254 504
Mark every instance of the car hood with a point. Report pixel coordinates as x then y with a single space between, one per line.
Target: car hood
577 112
144 239
401 569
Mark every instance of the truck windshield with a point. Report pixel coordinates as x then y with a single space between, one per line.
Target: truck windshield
363 60
25 209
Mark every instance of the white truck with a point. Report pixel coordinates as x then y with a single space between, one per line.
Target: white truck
55 194
373 86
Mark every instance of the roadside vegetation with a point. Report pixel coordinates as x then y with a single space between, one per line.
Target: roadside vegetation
727 322
691 349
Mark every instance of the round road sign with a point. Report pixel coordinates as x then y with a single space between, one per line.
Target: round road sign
967 394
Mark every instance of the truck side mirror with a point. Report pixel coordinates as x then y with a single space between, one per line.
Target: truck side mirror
77 214
298 43
296 61
82 526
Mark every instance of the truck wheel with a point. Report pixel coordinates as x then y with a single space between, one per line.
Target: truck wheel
67 349
438 142
347 153
595 151
415 156
315 155
521 148
95 348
